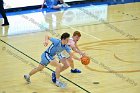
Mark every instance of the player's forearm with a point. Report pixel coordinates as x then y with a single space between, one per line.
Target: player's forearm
77 51
77 47
75 57
47 38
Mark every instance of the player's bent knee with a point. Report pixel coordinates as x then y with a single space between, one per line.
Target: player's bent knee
66 66
70 61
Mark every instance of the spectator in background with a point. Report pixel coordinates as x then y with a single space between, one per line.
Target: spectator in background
115 1
54 4
2 12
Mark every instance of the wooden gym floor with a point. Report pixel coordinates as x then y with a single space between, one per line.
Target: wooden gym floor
113 45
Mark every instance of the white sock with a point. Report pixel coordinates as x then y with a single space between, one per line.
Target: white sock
28 75
57 81
73 68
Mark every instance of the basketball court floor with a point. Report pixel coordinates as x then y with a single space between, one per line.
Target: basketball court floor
110 36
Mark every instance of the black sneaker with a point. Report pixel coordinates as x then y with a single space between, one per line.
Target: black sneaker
5 24
75 71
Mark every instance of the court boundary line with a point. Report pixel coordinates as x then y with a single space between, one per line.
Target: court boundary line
45 66
37 61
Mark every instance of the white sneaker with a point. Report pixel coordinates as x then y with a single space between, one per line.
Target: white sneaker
60 5
27 78
60 84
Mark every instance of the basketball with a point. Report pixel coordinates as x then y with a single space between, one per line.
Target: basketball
85 60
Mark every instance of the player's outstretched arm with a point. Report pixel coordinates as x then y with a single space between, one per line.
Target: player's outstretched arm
77 50
46 42
75 57
80 52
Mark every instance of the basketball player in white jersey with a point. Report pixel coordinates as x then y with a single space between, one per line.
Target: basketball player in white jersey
65 58
73 44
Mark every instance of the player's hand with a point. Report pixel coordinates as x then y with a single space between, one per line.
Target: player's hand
79 59
83 54
46 43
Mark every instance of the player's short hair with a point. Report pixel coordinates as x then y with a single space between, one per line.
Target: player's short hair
77 33
65 35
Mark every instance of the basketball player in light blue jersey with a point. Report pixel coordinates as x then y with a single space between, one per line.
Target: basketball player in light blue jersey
47 57
53 4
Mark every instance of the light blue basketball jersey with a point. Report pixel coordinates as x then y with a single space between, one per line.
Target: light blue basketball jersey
56 47
51 3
